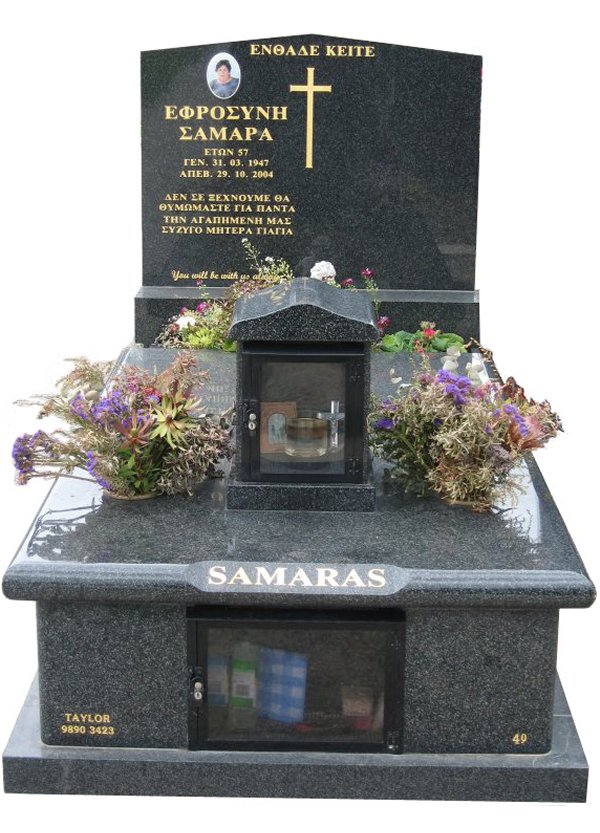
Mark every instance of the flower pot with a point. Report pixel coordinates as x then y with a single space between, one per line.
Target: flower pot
115 496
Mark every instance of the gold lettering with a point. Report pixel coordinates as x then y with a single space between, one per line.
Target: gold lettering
326 577
240 576
216 574
376 577
170 111
300 576
277 577
353 579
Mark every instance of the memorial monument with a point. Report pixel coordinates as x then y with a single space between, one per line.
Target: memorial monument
247 640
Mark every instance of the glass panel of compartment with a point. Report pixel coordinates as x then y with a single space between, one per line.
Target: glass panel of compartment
302 419
308 683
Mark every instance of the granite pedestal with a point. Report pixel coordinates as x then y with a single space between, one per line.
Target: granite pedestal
479 595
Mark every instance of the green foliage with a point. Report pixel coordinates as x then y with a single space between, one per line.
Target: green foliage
425 340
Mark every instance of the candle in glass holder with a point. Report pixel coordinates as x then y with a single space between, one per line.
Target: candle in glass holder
305 437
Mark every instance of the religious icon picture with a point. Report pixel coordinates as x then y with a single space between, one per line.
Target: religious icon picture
273 416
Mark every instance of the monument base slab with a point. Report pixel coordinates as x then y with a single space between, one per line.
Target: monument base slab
558 776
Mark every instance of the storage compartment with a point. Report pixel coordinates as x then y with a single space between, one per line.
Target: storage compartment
290 680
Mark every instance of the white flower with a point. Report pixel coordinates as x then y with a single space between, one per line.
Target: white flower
322 270
185 321
269 260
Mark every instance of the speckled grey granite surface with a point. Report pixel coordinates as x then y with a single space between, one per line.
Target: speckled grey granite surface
128 663
560 776
325 497
475 678
85 546
304 310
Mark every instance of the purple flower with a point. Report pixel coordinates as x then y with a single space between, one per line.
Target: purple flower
90 466
24 451
457 394
111 408
424 378
445 376
22 454
385 424
79 407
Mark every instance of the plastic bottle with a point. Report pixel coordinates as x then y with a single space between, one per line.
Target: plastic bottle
244 686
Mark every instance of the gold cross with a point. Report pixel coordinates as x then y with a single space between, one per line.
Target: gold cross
310 90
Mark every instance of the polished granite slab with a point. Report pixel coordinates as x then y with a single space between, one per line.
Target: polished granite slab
558 776
84 545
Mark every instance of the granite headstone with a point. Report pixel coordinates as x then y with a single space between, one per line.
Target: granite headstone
316 148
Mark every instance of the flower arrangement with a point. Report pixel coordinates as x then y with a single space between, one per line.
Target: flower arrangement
325 271
207 326
427 339
445 433
136 434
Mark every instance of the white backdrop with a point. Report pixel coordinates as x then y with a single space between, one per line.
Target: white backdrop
71 264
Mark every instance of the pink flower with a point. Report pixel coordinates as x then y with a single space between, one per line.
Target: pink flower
429 333
366 272
347 282
202 307
382 322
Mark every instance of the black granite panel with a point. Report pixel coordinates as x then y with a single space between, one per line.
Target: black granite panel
112 675
386 177
559 776
450 317
479 681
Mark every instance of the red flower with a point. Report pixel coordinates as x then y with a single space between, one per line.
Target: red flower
347 282
366 273
429 333
382 322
